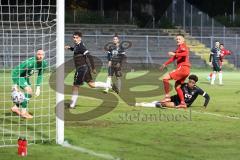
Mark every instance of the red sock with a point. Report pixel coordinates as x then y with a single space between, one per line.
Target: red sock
180 94
166 85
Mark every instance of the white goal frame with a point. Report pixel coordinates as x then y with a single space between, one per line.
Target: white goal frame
59 71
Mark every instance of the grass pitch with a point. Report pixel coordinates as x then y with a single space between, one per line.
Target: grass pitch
131 133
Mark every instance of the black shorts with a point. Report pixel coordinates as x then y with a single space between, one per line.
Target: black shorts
115 69
82 74
216 67
175 99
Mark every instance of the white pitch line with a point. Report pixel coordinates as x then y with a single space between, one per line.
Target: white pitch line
209 113
90 152
218 115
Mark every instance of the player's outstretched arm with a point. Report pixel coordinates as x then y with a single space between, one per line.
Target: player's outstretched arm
205 95
166 63
207 99
68 47
162 67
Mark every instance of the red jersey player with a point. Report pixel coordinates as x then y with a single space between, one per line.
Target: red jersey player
180 73
224 52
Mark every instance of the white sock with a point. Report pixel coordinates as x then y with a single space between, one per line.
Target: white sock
108 82
220 77
144 104
213 78
74 99
101 85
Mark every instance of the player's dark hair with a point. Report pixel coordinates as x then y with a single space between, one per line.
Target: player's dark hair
193 77
77 34
116 35
221 44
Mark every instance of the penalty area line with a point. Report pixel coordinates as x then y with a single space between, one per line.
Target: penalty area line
90 152
208 113
217 115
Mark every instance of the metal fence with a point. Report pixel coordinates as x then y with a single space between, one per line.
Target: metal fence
153 49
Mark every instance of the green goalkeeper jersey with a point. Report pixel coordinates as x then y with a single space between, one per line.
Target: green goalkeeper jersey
28 68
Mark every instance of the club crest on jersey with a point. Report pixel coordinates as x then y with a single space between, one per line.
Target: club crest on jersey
114 52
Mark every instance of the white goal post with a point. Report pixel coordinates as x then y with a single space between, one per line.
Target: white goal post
59 71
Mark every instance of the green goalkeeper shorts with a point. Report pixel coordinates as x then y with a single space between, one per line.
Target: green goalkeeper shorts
22 82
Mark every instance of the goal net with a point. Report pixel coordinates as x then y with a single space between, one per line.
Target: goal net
26 26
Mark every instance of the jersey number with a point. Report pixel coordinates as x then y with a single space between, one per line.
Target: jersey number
188 96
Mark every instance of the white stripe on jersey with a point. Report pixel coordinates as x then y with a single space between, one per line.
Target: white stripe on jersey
204 94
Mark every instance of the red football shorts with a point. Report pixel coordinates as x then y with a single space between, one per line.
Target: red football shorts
180 74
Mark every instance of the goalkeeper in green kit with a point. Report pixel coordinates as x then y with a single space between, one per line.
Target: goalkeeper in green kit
20 77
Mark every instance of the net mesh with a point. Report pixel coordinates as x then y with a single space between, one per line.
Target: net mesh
26 26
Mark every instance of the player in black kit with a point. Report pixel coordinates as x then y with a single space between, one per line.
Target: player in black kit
116 56
84 66
190 92
214 59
